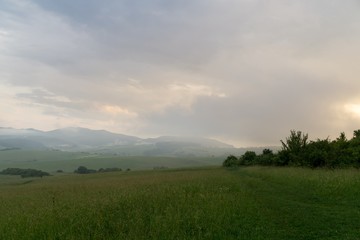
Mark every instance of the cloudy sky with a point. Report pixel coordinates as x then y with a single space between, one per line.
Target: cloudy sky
242 71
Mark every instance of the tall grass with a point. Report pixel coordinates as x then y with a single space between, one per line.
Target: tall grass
248 203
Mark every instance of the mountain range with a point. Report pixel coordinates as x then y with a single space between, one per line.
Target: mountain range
83 139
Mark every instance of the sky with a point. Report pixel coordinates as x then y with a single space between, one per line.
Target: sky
242 71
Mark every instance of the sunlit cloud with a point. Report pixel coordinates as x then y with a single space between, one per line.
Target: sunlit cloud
116 110
353 109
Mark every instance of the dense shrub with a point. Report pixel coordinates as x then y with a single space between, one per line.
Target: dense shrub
249 158
114 169
24 172
298 151
84 170
266 158
231 161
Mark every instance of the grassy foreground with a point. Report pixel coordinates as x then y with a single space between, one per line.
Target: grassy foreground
212 203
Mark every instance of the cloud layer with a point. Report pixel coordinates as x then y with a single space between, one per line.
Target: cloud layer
244 71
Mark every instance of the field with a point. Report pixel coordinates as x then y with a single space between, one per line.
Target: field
198 203
51 161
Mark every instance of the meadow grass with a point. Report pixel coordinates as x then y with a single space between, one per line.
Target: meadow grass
202 203
51 161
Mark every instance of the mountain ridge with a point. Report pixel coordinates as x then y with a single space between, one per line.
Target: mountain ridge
80 139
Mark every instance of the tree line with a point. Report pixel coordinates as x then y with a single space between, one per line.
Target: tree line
24 173
297 150
85 170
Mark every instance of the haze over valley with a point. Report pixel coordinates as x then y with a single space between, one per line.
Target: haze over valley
68 148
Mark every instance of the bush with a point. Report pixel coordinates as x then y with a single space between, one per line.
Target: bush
231 161
114 169
266 158
249 158
24 173
84 170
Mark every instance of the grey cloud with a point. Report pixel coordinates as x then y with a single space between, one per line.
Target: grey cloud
39 96
133 31
182 34
256 69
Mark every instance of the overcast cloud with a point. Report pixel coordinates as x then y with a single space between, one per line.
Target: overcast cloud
242 71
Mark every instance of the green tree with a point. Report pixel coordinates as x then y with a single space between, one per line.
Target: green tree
266 158
341 152
293 148
357 134
84 170
231 161
317 153
295 142
249 158
355 148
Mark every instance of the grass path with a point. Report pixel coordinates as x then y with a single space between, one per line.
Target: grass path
212 203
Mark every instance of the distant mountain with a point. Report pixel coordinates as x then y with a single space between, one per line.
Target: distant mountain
83 139
72 139
20 143
11 138
172 146
19 132
92 138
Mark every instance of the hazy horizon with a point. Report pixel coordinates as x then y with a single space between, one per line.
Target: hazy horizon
184 137
245 72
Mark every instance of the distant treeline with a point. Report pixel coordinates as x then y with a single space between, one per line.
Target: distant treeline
24 172
85 170
297 150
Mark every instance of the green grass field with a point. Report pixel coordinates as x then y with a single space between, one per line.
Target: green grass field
202 203
51 161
